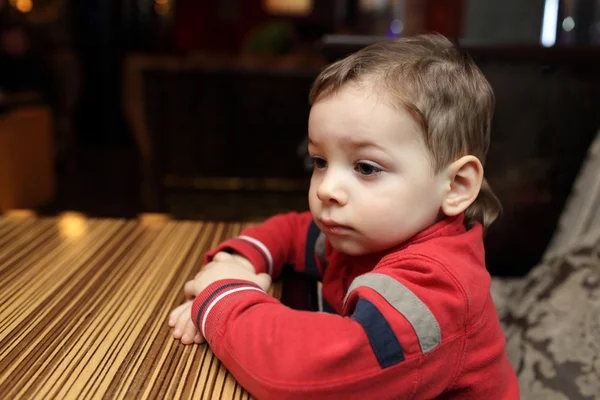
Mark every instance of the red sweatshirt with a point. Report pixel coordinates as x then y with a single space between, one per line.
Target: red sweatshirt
416 321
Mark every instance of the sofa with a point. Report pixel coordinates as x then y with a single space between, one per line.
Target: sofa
551 316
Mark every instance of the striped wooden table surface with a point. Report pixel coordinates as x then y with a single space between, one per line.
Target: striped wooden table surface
84 303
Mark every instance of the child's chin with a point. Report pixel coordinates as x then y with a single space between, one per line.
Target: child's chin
348 247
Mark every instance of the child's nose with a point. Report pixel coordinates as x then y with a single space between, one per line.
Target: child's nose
330 190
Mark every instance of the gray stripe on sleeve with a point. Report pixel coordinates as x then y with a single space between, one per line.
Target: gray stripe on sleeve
405 302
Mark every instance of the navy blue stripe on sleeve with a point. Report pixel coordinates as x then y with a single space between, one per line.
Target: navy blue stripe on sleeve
259 251
309 257
213 294
383 341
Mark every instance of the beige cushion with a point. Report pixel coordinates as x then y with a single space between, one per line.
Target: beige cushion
552 324
581 213
551 317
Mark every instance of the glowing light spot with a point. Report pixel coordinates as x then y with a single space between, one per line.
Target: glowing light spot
162 8
548 37
153 220
568 24
396 27
19 214
289 7
72 225
24 6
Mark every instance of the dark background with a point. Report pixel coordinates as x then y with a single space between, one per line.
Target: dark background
199 108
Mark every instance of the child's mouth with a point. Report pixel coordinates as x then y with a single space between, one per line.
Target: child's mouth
331 227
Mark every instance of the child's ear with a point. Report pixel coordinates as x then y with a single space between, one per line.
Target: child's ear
464 182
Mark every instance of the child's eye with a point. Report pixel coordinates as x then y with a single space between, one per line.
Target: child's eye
366 169
319 163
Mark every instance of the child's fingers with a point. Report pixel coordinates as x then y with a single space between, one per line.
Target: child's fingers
189 332
198 339
182 319
174 315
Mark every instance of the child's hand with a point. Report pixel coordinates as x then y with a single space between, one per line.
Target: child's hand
226 266
223 266
183 328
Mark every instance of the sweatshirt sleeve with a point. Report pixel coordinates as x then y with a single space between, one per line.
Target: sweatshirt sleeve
387 344
282 240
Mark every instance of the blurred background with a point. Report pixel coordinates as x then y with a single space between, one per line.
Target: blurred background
198 108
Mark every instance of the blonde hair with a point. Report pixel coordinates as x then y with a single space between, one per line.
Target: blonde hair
443 90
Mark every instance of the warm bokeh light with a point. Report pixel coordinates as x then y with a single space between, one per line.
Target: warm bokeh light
23 5
289 7
153 220
162 7
19 213
72 225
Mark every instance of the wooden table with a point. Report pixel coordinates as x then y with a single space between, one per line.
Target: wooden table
84 304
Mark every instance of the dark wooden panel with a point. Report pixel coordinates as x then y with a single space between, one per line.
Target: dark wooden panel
228 123
546 116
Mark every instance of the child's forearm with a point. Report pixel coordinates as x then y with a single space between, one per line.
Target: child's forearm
278 241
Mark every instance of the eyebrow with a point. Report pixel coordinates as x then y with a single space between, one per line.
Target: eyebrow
356 144
364 143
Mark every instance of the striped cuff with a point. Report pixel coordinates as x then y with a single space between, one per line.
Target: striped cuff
252 249
216 298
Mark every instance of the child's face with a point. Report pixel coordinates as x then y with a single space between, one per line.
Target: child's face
372 186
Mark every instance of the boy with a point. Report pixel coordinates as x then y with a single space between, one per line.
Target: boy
398 133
